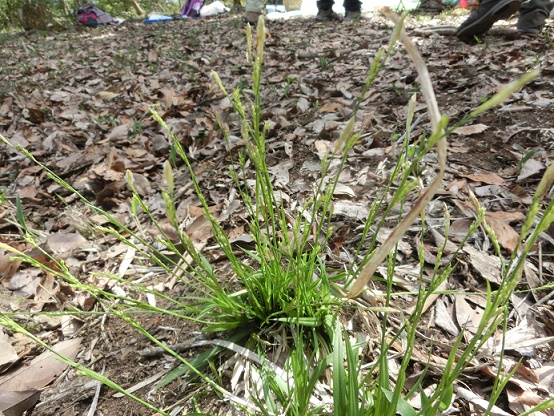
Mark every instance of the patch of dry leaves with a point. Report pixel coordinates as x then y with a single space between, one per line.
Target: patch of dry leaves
79 102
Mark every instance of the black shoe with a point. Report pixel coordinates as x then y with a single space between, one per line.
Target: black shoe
351 16
486 15
326 15
432 6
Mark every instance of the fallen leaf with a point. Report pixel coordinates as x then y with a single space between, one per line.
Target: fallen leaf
528 398
107 95
506 235
330 108
302 104
341 189
469 130
42 370
8 355
16 403
444 320
486 177
8 265
530 168
66 242
489 267
119 132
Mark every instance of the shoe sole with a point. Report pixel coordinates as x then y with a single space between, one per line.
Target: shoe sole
328 19
501 11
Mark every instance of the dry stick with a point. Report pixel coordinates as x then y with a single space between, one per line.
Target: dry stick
429 96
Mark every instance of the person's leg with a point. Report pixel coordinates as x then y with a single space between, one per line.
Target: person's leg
486 15
532 16
353 9
254 8
325 4
325 10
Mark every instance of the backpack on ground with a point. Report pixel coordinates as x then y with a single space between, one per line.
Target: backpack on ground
191 8
92 16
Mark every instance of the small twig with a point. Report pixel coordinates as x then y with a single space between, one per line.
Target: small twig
412 128
94 403
440 30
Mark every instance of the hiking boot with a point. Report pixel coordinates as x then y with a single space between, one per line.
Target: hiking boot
351 16
326 15
435 6
532 16
486 15
252 17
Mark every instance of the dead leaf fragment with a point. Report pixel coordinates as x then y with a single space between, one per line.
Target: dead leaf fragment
330 108
42 370
506 235
107 95
66 242
489 267
443 318
16 403
119 132
8 355
469 130
302 104
530 168
486 177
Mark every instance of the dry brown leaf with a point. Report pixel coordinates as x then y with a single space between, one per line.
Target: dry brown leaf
16 403
25 282
488 267
525 372
45 292
506 235
330 108
460 228
469 130
120 132
8 266
443 319
486 177
478 401
152 55
342 189
66 242
530 168
8 355
107 95
511 216
528 398
42 370
467 317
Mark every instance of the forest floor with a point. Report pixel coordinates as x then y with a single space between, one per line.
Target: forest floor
79 101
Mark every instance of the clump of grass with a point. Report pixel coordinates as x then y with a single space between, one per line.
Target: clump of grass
284 285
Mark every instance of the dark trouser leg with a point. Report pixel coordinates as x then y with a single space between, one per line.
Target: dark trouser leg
532 15
482 19
352 5
325 4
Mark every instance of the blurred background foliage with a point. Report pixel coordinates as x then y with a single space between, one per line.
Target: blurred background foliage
59 14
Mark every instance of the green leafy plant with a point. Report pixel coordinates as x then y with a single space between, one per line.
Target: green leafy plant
324 62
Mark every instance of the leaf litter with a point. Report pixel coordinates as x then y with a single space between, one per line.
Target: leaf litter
80 105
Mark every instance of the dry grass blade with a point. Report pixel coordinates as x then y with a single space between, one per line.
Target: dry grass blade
421 203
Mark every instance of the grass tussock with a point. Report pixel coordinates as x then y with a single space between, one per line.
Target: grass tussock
285 295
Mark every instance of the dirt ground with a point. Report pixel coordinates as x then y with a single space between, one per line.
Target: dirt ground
79 102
